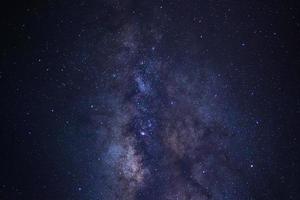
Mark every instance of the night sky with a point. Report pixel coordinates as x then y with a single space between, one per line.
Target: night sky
150 100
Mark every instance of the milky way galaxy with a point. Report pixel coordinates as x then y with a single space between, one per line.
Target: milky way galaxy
166 133
150 100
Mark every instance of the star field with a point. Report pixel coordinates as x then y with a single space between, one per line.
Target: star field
144 100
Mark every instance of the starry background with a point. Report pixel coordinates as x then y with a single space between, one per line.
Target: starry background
170 99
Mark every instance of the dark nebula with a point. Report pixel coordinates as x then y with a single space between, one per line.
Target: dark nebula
150 100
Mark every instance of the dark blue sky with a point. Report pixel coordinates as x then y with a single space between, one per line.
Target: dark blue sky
149 100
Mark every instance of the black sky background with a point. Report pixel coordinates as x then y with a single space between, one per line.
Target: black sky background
256 43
